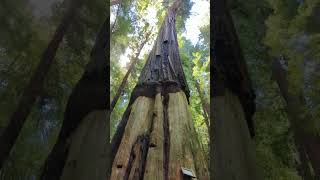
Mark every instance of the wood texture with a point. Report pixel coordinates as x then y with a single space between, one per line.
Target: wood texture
159 136
163 63
145 133
137 125
185 150
87 158
234 157
154 164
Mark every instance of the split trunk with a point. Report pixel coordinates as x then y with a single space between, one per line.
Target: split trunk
156 137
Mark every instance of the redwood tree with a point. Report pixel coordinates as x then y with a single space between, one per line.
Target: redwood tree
80 151
307 142
35 85
156 137
232 103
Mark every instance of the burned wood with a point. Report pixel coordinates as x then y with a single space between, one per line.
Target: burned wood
166 142
163 63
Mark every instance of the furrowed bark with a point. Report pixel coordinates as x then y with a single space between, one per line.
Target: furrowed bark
125 78
158 138
306 141
88 96
138 124
154 168
35 85
233 103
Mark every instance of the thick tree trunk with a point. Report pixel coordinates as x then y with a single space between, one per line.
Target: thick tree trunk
233 103
159 139
86 104
35 85
87 158
125 78
156 137
233 148
306 140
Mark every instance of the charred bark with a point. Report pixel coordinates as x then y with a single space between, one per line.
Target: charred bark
35 85
89 94
306 141
125 78
158 104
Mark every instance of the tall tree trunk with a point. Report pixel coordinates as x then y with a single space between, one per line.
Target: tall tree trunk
125 78
233 103
305 140
156 137
84 134
115 2
35 84
205 106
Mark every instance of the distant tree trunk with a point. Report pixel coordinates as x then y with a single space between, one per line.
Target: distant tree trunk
115 21
125 78
156 136
115 2
305 140
205 105
35 84
233 103
80 151
303 168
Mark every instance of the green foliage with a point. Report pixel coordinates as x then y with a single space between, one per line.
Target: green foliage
23 40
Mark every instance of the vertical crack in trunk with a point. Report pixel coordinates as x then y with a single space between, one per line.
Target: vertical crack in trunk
138 155
166 143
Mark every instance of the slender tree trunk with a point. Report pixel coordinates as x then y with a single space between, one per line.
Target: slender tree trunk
125 78
303 168
115 2
205 106
233 103
84 134
115 21
156 137
306 140
35 85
